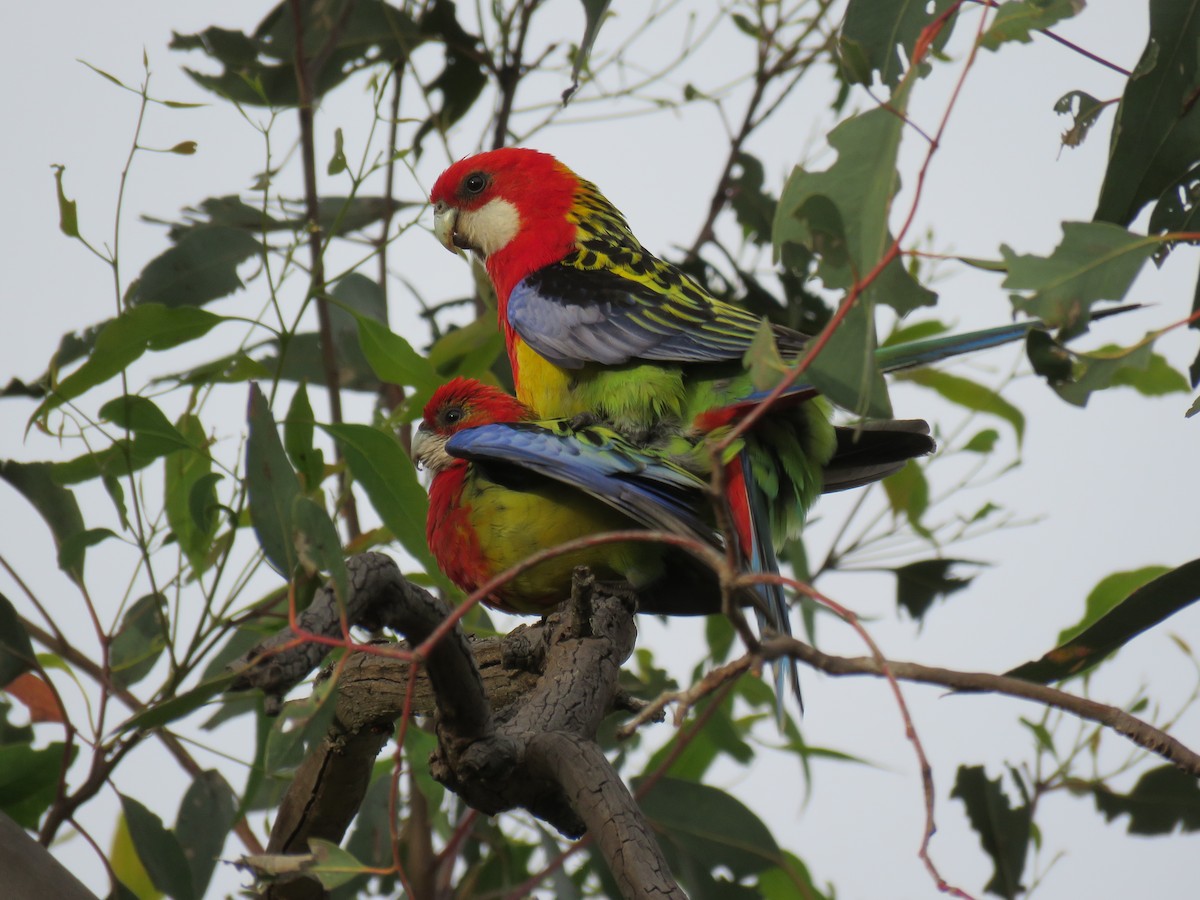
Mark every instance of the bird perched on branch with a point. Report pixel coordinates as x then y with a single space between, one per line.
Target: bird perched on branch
506 486
597 327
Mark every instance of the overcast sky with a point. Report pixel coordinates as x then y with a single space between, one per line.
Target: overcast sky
1113 487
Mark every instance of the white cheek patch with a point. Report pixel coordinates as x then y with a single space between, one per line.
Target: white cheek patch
490 228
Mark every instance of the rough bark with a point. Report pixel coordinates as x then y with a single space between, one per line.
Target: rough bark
516 718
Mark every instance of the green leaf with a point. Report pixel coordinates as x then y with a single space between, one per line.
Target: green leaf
1084 110
68 213
317 545
379 464
124 339
791 880
1193 409
762 358
594 15
16 650
1095 261
271 485
206 815
1107 594
55 504
845 370
1138 367
337 162
29 780
190 496
70 554
1164 799
701 828
393 359
177 707
968 394
1157 128
298 430
294 732
919 584
1144 607
840 215
908 494
200 268
469 351
983 441
881 35
158 849
139 641
335 866
153 430
1003 830
1016 19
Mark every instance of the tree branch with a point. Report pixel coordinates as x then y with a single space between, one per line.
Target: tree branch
1137 730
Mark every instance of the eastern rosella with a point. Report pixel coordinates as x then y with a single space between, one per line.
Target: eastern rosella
506 486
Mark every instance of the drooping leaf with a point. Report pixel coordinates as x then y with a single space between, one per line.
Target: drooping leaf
16 650
762 359
701 828
139 641
190 496
880 36
840 215
754 207
967 394
462 79
206 814
1163 800
393 358
29 780
178 706
1138 367
298 430
1109 592
379 464
159 850
200 268
791 880
469 351
919 584
271 485
1003 830
594 15
845 370
317 545
55 504
908 494
37 697
1144 607
1157 127
153 431
133 881
259 68
68 210
1084 110
1016 20
124 339
1095 261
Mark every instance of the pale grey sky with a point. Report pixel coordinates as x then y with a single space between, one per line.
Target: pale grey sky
1114 486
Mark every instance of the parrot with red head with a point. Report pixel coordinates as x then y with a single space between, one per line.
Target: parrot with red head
597 326
506 486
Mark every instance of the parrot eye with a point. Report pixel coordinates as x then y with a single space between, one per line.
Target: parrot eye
452 416
475 183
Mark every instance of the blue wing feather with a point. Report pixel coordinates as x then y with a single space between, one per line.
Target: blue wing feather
651 491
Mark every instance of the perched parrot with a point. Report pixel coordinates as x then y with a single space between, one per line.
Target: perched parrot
506 486
597 327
